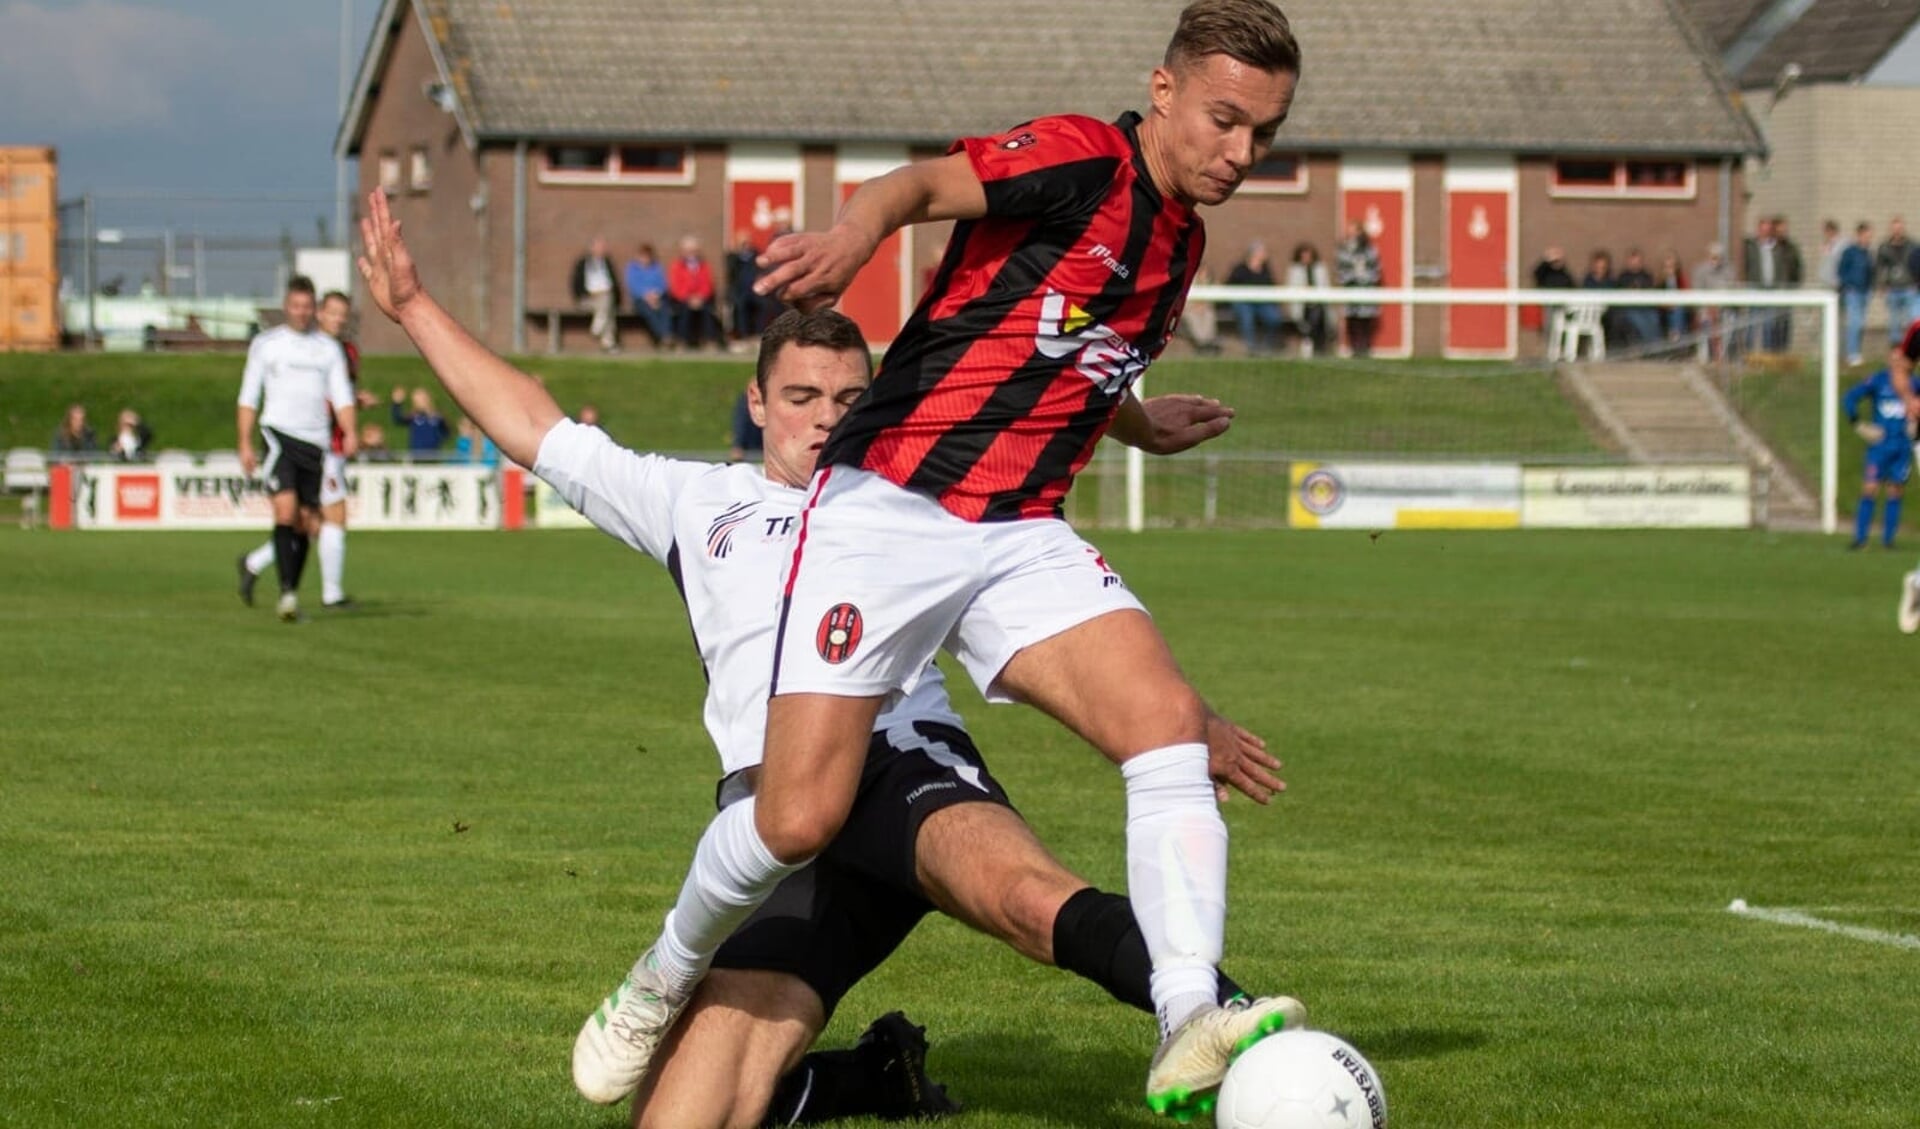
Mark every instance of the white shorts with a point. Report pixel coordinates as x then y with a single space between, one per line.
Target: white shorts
333 479
882 577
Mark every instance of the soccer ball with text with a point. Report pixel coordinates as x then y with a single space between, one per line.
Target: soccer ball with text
1301 1080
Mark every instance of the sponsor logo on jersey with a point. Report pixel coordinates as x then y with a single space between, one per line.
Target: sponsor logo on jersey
1321 492
1018 141
1102 356
839 633
720 533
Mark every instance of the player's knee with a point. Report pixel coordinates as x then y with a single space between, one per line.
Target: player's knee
797 831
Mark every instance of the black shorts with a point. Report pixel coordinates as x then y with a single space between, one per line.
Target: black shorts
834 920
293 464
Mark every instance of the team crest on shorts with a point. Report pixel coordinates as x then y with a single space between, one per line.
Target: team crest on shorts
839 633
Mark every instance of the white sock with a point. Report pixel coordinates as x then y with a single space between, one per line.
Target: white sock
1177 876
261 559
333 562
732 873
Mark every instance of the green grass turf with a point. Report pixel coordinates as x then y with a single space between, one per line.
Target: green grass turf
1320 408
1529 771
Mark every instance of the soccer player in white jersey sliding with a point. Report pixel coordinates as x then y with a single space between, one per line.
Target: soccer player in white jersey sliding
295 387
935 517
930 827
335 311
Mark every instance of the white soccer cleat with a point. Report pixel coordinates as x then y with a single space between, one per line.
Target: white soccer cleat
617 1043
289 608
1910 603
1184 1080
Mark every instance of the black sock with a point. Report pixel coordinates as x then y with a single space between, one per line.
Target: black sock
1095 936
826 1086
301 542
283 554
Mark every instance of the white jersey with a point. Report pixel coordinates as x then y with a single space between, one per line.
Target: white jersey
300 376
724 533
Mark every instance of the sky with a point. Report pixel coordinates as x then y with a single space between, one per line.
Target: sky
169 98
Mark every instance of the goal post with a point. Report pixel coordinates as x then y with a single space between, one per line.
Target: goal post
1741 313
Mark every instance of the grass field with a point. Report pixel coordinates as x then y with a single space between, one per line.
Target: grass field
372 871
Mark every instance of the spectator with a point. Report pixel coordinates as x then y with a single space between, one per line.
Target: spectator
1309 319
1672 276
743 268
1259 321
1551 272
373 444
426 427
1893 272
1793 273
1854 277
1714 273
595 285
131 439
472 446
74 435
1200 322
690 288
746 441
1357 263
1640 325
1826 274
1599 276
647 290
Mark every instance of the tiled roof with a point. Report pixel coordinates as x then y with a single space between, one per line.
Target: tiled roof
1833 41
1505 75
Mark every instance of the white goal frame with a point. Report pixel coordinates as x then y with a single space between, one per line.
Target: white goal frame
1827 303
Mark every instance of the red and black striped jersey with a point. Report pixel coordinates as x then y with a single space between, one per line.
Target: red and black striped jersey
352 353
1041 317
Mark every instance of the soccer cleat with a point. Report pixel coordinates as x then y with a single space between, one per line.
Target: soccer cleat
289 608
1184 1081
902 1049
247 581
616 1045
1910 603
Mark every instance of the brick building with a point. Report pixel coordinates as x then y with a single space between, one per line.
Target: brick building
1832 142
1467 137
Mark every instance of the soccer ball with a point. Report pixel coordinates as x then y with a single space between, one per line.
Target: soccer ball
1301 1080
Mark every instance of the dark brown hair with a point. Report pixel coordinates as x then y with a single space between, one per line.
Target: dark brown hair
824 329
1253 32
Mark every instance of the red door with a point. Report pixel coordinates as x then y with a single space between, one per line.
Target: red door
875 300
1383 212
761 208
1479 255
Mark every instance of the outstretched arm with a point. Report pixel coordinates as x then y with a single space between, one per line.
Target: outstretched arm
1166 425
810 270
512 407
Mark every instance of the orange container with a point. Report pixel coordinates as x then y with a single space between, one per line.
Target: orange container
27 184
29 219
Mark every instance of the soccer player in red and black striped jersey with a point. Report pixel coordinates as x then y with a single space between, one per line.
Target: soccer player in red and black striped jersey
934 518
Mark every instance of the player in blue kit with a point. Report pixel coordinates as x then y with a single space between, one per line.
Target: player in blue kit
1889 460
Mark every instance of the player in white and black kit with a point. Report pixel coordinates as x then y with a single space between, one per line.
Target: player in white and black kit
336 309
295 388
930 827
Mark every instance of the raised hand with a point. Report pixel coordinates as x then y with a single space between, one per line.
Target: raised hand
810 270
385 263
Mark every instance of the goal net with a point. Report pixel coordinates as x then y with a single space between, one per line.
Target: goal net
1739 383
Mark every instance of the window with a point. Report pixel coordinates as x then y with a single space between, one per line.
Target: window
570 163
389 172
419 172
1603 176
1277 172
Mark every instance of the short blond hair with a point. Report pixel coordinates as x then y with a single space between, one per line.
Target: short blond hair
1253 32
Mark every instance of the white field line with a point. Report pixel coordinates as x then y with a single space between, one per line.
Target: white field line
1808 921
